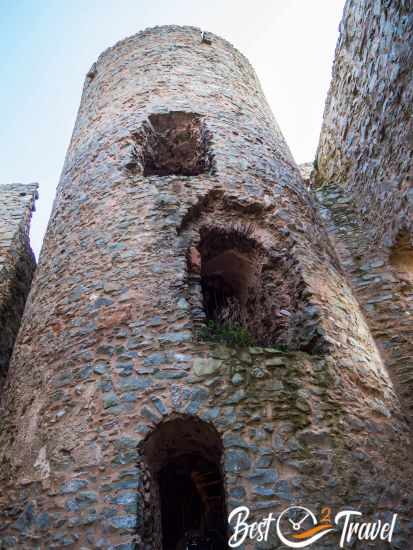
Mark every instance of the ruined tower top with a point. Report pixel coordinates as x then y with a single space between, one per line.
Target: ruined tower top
171 70
16 206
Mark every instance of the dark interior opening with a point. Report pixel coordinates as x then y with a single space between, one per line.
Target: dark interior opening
191 497
230 270
184 456
250 292
174 143
225 282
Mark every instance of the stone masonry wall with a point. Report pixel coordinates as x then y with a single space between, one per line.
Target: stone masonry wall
17 264
109 347
364 172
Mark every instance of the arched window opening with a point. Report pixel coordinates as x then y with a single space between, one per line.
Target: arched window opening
184 459
249 293
174 143
401 257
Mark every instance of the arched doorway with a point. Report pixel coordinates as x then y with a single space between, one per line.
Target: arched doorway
187 501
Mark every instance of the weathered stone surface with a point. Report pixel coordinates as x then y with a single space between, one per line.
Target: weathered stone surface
109 355
364 167
17 263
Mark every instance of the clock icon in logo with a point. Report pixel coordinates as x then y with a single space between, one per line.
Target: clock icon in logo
297 527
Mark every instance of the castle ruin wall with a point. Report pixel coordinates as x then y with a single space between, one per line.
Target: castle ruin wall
17 264
364 173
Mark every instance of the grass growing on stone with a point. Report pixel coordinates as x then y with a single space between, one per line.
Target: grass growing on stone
231 334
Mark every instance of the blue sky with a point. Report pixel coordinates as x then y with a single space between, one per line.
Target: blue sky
47 46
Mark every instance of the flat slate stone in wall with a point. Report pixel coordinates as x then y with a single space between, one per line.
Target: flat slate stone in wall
17 263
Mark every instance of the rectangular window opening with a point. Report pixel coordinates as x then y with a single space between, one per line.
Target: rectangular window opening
175 143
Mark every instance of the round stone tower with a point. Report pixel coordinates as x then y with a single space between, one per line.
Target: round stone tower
190 343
